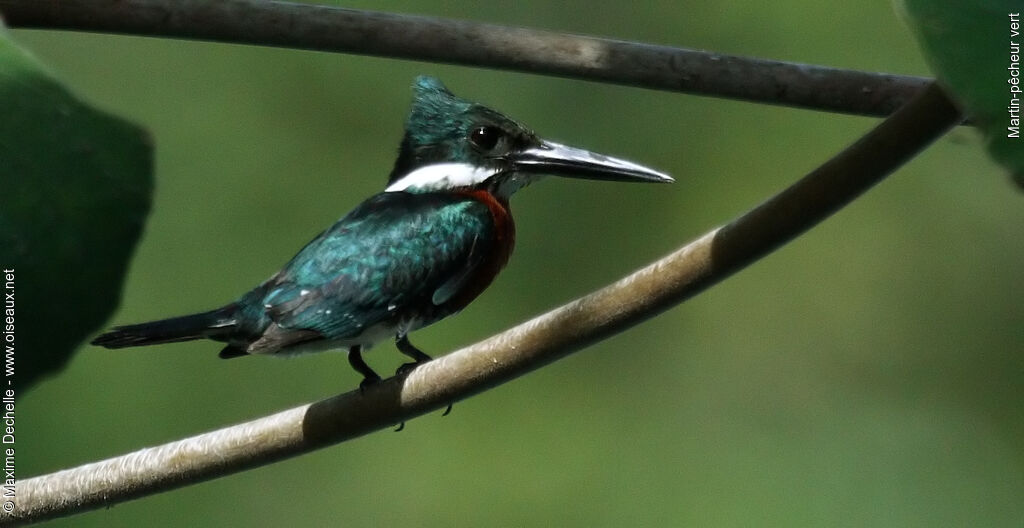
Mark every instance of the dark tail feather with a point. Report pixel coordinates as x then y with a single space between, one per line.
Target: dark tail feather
184 328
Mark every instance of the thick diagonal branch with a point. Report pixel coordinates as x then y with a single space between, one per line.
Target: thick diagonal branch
326 28
527 347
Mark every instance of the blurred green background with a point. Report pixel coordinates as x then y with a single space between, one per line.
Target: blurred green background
869 373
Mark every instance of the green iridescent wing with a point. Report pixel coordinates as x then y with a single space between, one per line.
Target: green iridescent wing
395 252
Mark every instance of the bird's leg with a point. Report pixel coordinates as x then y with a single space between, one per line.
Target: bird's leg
407 348
355 358
418 356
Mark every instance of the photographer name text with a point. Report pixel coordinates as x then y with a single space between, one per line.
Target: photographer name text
7 402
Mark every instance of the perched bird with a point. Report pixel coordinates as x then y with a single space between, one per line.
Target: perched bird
405 258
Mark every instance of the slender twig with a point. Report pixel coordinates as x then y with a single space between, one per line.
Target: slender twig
663 284
326 28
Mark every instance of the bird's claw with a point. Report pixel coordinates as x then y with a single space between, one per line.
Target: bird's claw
406 368
367 383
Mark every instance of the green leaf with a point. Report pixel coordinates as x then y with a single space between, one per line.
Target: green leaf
75 188
972 48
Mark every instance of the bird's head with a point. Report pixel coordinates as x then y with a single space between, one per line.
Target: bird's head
452 144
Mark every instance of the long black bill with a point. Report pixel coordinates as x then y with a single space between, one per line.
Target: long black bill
562 160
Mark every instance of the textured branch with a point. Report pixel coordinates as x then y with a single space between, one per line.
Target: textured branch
501 358
326 28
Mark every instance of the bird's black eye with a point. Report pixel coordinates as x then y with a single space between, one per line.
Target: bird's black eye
485 137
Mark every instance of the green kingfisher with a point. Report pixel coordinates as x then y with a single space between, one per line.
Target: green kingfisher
405 258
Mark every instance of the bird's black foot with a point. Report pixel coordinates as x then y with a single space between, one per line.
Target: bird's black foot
419 358
407 348
355 358
367 383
